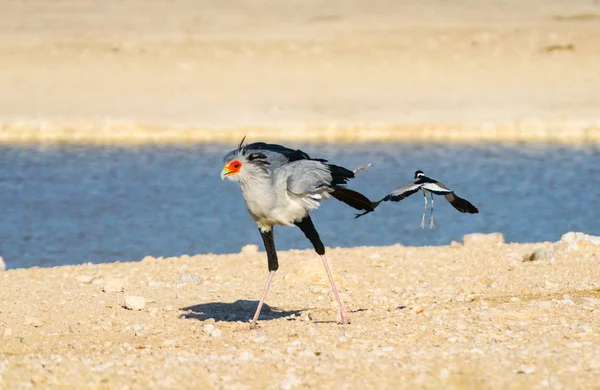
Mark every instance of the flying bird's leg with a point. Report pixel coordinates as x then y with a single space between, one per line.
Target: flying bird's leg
431 224
424 211
269 242
307 227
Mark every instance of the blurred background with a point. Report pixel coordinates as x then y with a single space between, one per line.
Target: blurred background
114 117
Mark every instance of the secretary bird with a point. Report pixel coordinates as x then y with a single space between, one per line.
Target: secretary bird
281 186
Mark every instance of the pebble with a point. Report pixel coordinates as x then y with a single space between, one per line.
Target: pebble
544 304
249 249
475 239
133 302
2 264
565 302
216 333
113 285
290 383
539 254
208 328
85 279
7 332
190 278
34 321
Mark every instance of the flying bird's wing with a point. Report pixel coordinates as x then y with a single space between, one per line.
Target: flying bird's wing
403 192
462 205
395 196
437 188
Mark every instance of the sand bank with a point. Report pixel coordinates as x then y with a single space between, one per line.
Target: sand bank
131 134
459 316
205 71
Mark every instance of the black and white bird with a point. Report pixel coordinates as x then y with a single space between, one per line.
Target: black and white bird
281 186
427 186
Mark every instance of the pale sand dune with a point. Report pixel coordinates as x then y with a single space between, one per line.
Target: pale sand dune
452 317
168 71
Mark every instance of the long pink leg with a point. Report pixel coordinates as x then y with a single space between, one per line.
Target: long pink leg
344 318
262 300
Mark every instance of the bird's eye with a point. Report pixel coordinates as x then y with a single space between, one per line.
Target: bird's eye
236 165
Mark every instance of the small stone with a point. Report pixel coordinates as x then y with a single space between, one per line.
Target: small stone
208 328
290 382
216 333
154 284
249 249
113 285
34 321
573 240
544 304
169 342
477 239
2 264
153 311
149 259
246 355
7 332
565 302
306 317
455 244
133 302
527 370
515 299
539 254
38 379
85 279
190 278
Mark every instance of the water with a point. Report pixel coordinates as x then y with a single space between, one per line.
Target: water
69 205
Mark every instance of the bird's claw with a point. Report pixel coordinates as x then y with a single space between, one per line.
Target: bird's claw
253 325
343 318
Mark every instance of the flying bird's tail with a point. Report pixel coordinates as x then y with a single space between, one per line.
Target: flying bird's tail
462 205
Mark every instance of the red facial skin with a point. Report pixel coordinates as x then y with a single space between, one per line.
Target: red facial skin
233 167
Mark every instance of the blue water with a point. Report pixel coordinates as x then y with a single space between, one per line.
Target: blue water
69 205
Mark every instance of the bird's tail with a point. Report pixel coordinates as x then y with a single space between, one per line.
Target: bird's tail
353 198
373 206
462 205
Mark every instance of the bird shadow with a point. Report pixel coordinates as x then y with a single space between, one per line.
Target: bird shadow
240 310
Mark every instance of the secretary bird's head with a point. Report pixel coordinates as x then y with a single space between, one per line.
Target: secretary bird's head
243 164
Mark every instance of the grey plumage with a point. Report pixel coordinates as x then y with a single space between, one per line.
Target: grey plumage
281 186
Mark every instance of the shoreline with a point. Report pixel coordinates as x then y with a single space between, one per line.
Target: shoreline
526 131
423 317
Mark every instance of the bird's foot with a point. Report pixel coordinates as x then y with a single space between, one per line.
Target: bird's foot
343 318
423 223
253 325
431 224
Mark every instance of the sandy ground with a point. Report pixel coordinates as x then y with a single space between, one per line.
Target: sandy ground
459 316
199 70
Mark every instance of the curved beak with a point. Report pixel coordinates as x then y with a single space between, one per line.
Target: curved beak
225 172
